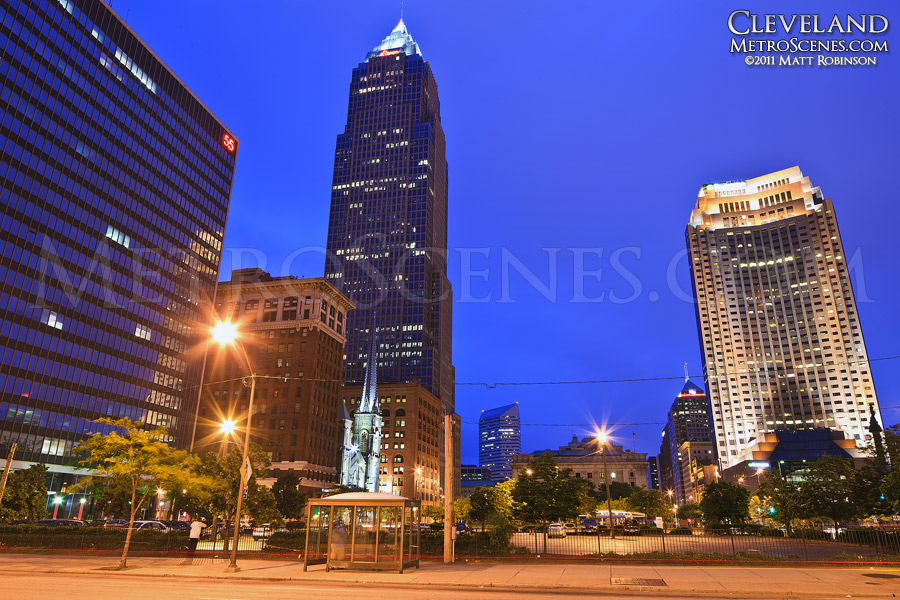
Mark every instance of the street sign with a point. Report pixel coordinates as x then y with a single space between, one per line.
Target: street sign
246 471
761 464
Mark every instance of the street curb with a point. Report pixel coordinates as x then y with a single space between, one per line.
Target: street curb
620 589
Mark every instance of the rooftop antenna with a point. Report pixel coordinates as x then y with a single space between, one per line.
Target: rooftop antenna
401 10
686 376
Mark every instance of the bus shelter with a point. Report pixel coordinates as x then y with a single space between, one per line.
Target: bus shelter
362 530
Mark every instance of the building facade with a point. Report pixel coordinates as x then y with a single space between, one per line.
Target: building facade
291 336
387 231
696 460
412 439
653 472
585 460
499 440
115 183
781 341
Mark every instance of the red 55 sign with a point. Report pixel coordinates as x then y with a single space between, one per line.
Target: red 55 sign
229 143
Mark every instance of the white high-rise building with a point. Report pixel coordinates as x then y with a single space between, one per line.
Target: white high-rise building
779 329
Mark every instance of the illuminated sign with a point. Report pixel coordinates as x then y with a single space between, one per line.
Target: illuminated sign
389 52
229 143
762 464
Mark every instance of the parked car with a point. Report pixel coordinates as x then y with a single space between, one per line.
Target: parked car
61 523
570 528
556 530
631 527
148 525
589 525
266 530
116 523
461 527
182 527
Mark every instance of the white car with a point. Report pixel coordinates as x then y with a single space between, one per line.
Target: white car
556 530
157 525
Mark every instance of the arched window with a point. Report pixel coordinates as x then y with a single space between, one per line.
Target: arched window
398 458
401 412
385 412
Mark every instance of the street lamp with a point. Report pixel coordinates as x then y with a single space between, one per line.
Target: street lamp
56 502
602 439
81 507
226 333
529 472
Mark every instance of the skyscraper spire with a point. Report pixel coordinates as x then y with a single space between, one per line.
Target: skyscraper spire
686 376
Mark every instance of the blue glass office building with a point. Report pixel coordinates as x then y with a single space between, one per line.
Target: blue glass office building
114 189
499 439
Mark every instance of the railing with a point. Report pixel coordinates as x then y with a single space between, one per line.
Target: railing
861 544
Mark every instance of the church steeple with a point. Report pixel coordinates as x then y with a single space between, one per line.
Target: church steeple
368 403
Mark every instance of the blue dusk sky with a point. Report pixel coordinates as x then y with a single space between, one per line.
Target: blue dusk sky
571 125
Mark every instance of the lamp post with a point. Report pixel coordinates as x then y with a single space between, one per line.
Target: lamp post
418 472
601 439
81 508
227 334
57 500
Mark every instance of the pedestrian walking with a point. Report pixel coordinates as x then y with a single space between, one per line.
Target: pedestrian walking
196 528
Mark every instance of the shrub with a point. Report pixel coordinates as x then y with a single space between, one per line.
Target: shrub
681 531
88 538
286 541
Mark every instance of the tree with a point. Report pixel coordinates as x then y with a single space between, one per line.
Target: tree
220 484
781 500
549 493
434 512
891 489
827 489
617 491
138 455
289 500
653 503
481 505
725 503
26 495
461 508
690 512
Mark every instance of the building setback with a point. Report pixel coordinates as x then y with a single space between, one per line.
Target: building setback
387 231
781 340
292 331
499 440
115 182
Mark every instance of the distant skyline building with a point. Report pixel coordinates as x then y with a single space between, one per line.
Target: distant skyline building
387 231
780 336
115 181
687 421
585 459
499 439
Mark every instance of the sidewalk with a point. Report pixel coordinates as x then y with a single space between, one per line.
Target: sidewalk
762 581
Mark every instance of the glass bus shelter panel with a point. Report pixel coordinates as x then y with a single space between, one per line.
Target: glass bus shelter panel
341 521
389 534
317 546
364 534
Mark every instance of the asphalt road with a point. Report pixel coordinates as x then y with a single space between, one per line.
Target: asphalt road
42 586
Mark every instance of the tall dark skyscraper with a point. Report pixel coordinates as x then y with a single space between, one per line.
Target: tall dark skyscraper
688 421
387 232
115 182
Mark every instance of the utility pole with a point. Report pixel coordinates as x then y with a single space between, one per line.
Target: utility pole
448 488
9 458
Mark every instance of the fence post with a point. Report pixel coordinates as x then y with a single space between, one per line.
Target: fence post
664 540
731 535
803 543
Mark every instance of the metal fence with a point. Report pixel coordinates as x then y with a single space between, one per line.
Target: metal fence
873 543
869 544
